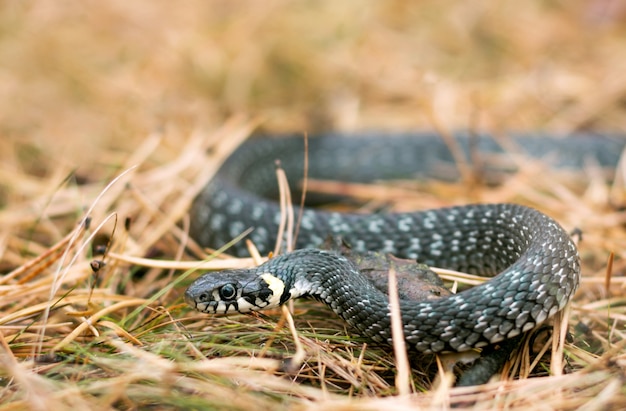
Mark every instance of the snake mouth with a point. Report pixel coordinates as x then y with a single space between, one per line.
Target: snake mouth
190 300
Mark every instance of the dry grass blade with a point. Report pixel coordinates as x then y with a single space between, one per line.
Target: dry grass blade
397 331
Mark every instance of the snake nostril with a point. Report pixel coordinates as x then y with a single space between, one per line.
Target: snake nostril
203 297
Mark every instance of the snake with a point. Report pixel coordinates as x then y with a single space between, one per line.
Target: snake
533 262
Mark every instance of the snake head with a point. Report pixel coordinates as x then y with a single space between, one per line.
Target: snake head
231 291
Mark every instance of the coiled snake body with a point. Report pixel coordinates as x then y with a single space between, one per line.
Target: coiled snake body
535 263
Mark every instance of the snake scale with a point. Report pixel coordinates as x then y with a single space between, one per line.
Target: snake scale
534 263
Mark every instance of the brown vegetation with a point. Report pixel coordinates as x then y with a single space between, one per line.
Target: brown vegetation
114 114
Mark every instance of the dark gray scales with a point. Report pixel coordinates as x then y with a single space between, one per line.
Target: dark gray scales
534 261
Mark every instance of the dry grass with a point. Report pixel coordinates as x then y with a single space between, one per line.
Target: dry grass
156 95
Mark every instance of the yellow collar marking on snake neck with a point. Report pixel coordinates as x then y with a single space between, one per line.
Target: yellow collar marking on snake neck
277 286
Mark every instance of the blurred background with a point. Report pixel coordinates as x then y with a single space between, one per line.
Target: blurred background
83 82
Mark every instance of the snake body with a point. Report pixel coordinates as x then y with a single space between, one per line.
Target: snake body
535 263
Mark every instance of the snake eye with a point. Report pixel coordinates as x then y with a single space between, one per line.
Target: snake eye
227 292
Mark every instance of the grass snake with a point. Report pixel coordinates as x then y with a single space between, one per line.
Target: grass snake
534 263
